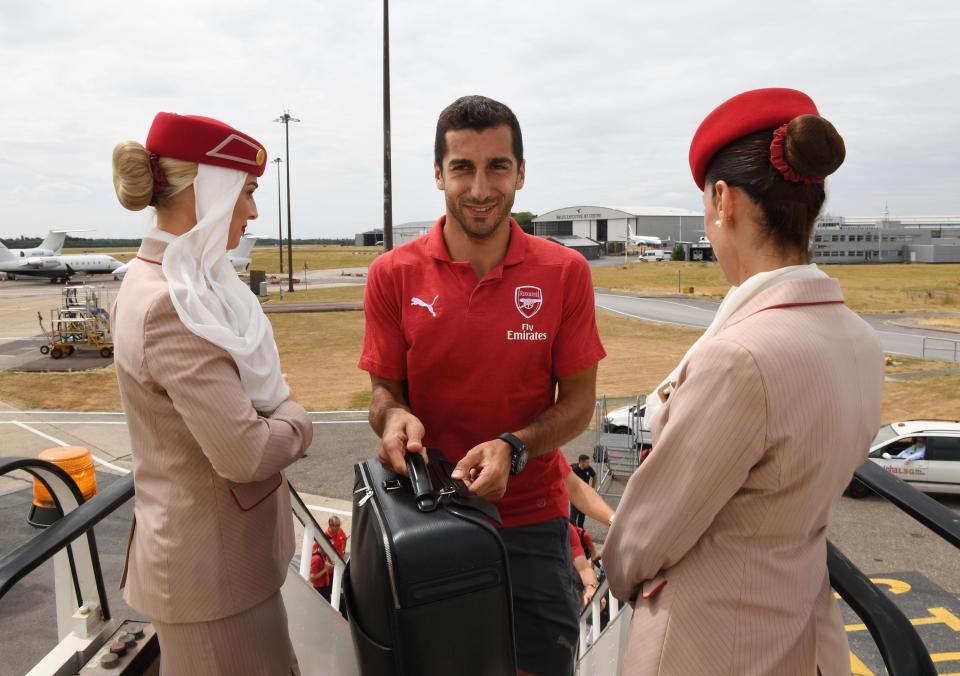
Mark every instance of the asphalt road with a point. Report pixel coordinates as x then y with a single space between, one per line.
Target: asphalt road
698 313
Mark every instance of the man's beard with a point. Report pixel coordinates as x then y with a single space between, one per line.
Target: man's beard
485 229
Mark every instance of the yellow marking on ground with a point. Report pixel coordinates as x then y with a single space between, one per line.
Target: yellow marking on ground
858 668
946 657
937 616
896 586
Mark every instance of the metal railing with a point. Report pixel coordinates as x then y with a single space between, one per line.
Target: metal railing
312 532
942 349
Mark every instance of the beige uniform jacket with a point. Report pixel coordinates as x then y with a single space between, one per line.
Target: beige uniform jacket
751 451
212 534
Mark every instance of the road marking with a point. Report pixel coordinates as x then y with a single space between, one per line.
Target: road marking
65 422
319 508
648 319
657 300
59 442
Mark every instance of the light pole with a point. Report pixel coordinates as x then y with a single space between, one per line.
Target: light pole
277 161
286 119
387 189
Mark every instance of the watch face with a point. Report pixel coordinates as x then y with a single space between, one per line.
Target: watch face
519 461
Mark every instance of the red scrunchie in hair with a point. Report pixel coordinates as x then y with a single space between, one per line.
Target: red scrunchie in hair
159 176
778 161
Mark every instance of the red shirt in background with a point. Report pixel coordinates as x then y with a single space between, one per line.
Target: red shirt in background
339 540
317 562
482 357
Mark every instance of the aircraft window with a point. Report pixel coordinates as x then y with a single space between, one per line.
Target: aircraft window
943 448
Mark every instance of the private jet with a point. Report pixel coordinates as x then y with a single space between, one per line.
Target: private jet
56 268
239 257
643 240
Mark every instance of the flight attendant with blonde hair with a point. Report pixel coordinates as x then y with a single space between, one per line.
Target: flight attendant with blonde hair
719 541
212 421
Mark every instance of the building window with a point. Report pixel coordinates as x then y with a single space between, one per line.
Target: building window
835 238
817 238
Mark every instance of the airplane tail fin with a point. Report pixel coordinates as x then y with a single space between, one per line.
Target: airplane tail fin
55 239
5 254
244 247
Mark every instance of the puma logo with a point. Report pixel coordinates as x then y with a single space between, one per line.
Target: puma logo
422 303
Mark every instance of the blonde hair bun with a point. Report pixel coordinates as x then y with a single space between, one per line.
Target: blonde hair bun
132 178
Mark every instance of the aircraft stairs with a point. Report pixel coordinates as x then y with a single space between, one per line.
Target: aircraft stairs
618 450
321 636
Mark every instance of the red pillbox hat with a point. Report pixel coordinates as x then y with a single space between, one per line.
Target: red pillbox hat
744 114
205 141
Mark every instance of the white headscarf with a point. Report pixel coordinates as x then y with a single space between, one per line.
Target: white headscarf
736 298
209 297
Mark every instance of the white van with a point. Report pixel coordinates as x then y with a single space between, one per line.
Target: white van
654 255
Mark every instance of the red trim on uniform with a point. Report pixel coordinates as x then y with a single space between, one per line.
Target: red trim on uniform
147 260
650 593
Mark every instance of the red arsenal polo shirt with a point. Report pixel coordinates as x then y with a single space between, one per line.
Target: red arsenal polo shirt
482 357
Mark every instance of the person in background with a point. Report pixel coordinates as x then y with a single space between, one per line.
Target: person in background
915 452
321 572
587 578
719 542
337 536
583 470
583 497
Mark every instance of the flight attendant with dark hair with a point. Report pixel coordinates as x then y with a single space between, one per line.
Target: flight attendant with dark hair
720 539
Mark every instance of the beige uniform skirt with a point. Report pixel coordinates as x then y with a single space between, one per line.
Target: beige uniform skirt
252 643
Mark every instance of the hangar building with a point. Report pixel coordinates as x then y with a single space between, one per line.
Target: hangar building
603 224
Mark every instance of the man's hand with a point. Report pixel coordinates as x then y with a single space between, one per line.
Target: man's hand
402 432
486 468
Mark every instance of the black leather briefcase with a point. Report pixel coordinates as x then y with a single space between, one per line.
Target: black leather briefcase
427 585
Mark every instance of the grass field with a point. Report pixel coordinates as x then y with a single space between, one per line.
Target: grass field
320 294
319 351
866 288
316 257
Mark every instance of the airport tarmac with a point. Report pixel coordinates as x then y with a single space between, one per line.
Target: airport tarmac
880 539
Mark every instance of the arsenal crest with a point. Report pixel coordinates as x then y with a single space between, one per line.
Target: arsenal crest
529 300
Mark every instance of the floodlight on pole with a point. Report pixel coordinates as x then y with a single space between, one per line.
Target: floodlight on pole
286 119
277 161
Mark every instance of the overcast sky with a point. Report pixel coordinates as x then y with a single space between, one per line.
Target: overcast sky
608 95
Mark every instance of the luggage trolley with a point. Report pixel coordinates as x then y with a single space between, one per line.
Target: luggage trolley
80 321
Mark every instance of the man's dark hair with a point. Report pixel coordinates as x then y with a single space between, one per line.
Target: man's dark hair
583 457
477 113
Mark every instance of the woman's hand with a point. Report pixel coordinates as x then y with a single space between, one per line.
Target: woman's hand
287 383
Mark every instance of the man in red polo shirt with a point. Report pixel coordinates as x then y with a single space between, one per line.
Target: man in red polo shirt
481 341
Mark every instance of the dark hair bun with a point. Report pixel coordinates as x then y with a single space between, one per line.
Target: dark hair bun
812 146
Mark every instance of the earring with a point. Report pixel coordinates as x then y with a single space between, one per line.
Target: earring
718 223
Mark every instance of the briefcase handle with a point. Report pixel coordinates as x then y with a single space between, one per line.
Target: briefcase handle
427 500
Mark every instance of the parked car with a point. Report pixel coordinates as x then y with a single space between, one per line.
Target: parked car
938 471
654 255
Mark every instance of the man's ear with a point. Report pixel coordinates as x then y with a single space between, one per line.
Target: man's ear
438 176
521 175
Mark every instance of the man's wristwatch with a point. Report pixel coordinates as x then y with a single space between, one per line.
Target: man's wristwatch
518 455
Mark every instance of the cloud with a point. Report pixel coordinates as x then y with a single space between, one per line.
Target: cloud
608 94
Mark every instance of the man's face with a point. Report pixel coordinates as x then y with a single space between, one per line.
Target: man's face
334 526
584 464
479 178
